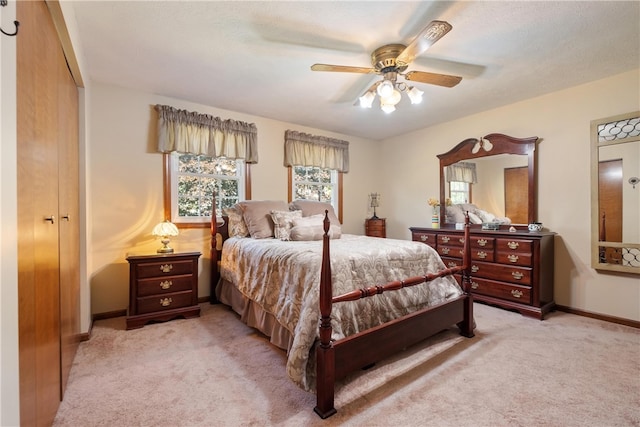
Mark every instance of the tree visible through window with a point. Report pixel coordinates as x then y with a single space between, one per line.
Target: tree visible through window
195 178
314 183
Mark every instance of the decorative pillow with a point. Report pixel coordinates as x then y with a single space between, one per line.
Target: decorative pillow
312 207
237 226
257 215
474 219
484 215
282 223
312 228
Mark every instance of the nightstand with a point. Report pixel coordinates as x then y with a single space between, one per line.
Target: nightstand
162 287
375 227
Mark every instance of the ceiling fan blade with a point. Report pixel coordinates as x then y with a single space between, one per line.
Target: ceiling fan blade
343 69
431 34
433 78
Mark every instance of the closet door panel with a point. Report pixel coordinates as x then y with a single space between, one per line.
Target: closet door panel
69 220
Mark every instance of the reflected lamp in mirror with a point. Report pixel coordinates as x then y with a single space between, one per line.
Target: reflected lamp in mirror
374 202
165 230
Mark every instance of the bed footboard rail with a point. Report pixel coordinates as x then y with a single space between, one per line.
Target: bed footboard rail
335 360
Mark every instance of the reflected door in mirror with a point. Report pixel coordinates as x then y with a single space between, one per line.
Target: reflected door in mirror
610 207
516 194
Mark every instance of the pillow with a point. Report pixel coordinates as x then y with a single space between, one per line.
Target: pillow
313 207
474 219
312 228
454 214
237 226
257 215
282 223
484 215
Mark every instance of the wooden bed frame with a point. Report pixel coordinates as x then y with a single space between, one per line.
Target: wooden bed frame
335 359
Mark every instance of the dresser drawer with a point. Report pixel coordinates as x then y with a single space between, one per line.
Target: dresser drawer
428 238
514 245
452 262
514 258
501 290
156 303
451 239
450 251
505 273
168 268
485 243
164 285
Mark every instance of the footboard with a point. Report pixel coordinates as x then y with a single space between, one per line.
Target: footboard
336 359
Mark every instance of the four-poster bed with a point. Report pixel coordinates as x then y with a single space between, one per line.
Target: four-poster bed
337 352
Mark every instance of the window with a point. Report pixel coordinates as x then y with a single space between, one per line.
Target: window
314 183
193 180
459 192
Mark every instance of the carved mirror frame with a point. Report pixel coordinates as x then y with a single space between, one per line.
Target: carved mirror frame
610 133
474 148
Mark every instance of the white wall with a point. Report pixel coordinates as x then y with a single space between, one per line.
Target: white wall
126 191
9 386
562 121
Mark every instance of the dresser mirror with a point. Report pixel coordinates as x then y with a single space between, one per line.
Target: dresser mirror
503 179
615 193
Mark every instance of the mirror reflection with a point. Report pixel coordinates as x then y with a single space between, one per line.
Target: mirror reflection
615 183
499 186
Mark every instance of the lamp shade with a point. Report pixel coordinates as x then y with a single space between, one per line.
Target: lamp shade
165 229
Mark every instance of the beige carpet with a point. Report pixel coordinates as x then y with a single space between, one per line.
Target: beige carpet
213 371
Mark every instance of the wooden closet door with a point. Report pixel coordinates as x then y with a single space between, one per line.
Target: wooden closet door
69 225
39 64
516 194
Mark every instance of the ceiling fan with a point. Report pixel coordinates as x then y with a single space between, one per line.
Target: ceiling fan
391 61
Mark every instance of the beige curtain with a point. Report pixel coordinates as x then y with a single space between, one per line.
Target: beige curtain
462 172
303 149
194 133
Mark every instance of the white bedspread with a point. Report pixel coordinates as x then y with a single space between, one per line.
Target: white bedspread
284 278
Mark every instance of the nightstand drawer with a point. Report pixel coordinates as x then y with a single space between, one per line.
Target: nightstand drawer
168 268
163 285
157 303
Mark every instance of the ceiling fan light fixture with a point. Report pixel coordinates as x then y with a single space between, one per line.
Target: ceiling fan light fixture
392 99
386 106
366 100
415 95
385 88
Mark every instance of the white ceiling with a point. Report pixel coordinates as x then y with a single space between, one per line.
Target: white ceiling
255 57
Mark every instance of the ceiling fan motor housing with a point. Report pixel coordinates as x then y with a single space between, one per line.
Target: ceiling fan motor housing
383 58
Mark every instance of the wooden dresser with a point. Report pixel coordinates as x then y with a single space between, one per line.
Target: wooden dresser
513 270
162 287
375 227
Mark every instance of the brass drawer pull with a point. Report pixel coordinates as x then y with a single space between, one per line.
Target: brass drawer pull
445 239
424 238
461 240
482 255
513 258
165 268
166 284
517 275
475 268
482 242
474 285
516 293
513 245
452 264
166 302
445 251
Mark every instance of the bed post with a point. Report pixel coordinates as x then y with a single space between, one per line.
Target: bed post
466 326
213 249
325 353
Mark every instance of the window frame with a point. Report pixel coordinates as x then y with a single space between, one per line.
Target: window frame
169 177
469 193
338 183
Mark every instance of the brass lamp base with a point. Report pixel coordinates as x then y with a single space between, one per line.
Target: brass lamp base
165 249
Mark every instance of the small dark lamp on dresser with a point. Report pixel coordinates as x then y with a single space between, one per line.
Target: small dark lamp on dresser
162 287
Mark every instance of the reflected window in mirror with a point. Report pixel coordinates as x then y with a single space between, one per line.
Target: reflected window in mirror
460 192
615 212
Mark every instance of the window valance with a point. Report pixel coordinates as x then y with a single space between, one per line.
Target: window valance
303 149
195 133
462 172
